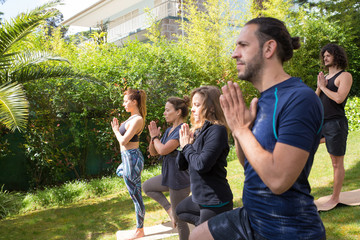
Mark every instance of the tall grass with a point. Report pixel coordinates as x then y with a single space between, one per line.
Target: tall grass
10 203
71 192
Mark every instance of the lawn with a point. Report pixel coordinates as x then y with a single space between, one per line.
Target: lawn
101 217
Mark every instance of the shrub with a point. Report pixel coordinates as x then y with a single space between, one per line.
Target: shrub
9 203
352 110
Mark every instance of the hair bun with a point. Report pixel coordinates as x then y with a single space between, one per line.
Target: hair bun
186 100
295 41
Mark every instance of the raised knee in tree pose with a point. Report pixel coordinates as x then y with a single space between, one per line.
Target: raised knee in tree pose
128 135
171 180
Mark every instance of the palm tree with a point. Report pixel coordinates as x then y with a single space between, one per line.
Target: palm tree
13 106
17 67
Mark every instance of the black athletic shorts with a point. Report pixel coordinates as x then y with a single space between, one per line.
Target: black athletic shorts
335 132
232 225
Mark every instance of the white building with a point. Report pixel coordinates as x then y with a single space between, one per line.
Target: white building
128 19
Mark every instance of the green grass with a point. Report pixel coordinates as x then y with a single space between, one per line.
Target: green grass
97 209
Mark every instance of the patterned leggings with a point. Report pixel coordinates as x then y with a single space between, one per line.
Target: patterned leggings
130 169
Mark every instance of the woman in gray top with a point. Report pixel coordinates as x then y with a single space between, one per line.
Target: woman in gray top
171 180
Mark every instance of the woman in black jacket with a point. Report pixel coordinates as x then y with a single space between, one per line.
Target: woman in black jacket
204 149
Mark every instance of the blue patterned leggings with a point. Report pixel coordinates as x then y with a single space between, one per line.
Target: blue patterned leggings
130 169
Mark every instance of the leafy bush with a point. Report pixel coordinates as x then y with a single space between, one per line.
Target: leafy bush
352 110
232 154
70 118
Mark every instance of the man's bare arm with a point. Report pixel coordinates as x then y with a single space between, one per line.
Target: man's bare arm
279 169
344 82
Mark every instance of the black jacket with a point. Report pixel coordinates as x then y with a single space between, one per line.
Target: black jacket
206 161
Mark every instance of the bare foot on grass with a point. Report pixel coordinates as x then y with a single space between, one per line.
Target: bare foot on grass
139 233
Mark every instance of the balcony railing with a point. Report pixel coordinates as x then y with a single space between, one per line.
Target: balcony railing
142 21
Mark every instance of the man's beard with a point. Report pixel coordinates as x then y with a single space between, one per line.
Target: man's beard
253 69
330 64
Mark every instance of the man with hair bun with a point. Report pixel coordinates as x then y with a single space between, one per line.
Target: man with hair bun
333 90
275 138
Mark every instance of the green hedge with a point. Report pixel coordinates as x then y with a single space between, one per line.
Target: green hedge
69 133
352 109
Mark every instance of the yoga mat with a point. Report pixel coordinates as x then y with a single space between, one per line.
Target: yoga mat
160 231
349 198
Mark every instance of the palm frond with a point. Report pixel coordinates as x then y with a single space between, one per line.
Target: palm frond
20 26
36 72
13 106
4 77
30 58
6 61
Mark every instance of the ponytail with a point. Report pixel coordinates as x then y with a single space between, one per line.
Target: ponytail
142 104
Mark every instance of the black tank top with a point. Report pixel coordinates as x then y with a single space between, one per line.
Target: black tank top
122 131
331 108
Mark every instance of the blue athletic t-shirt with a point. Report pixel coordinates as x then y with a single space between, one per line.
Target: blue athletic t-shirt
290 113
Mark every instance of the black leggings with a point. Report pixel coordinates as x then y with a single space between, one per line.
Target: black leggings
195 214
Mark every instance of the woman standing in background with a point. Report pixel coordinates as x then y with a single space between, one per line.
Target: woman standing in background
128 135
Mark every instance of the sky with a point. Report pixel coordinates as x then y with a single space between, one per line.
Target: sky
11 8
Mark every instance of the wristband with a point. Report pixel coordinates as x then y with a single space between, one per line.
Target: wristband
153 138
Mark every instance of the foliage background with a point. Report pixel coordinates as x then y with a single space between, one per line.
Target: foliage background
69 135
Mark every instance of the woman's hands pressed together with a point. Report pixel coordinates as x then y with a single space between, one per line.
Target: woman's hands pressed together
115 125
186 136
154 130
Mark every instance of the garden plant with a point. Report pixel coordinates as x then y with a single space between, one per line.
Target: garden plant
62 93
